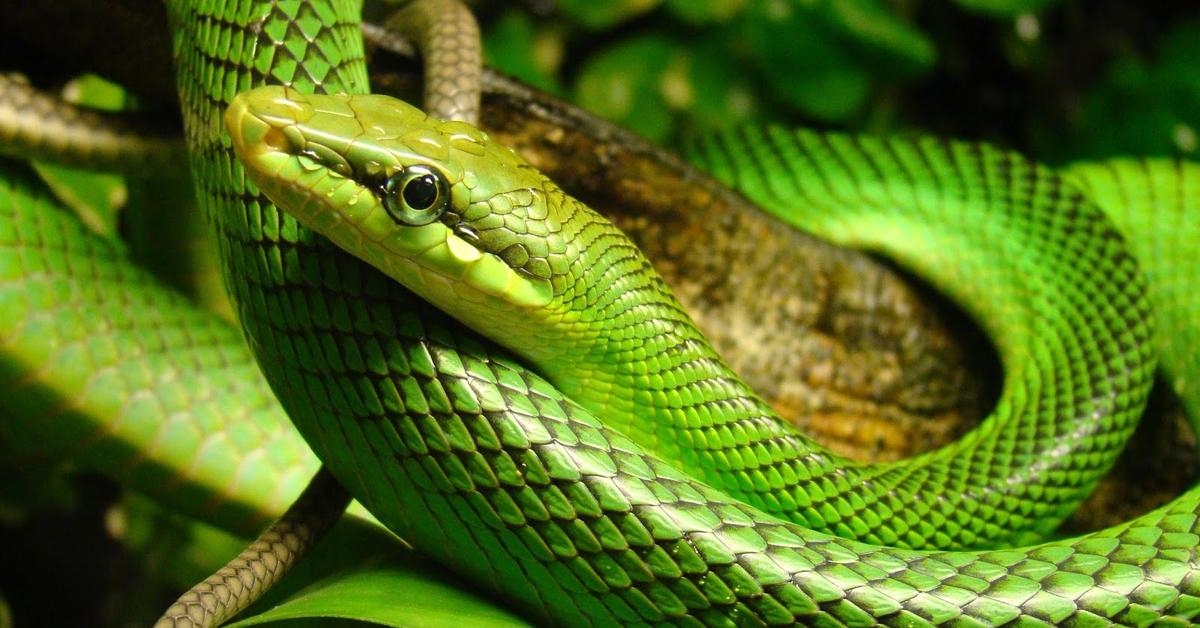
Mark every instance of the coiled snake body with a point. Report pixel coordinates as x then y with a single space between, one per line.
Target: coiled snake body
483 464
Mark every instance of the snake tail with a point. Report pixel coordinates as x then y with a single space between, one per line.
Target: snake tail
447 37
249 575
40 126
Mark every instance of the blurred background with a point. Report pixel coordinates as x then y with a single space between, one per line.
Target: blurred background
1058 80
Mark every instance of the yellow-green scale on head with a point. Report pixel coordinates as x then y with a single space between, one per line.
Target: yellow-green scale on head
312 155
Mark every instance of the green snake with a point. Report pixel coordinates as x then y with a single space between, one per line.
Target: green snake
510 255
484 465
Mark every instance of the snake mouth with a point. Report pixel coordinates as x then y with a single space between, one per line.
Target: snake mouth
311 181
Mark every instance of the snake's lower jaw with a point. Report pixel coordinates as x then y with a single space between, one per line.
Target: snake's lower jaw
453 273
492 277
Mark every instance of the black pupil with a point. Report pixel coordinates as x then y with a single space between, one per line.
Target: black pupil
420 192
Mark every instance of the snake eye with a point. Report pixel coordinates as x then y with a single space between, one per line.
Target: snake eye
416 195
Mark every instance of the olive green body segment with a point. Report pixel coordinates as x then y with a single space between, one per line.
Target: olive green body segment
258 567
103 368
485 466
447 35
36 125
518 260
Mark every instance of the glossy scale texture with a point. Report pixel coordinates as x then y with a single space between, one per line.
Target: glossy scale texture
105 368
485 466
542 274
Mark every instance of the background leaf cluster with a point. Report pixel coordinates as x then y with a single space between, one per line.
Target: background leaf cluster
1055 78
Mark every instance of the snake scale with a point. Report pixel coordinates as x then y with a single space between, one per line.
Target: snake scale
484 465
515 258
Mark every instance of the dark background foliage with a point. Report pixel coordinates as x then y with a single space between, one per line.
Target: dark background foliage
1056 79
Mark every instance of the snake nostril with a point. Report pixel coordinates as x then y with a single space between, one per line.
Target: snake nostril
275 139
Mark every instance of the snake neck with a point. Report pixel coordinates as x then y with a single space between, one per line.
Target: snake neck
616 340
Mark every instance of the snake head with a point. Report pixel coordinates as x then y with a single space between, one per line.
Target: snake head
463 221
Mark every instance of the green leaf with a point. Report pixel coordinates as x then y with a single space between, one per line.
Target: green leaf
1143 107
624 83
358 572
390 593
179 550
361 572
6 619
831 94
793 41
94 196
1006 8
806 64
723 95
601 14
705 11
879 36
515 45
